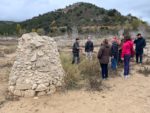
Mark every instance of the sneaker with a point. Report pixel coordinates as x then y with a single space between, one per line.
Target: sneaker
126 77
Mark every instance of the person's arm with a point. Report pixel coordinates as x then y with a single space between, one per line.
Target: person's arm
92 47
123 52
100 52
86 47
144 43
132 51
77 46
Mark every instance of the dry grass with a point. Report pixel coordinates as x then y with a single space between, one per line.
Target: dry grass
145 71
87 73
10 49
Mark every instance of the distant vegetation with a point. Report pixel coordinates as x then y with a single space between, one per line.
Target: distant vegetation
87 17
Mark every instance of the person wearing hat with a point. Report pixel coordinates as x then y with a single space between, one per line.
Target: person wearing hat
127 53
76 51
140 43
89 47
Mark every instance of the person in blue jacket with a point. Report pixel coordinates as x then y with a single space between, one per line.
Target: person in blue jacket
140 44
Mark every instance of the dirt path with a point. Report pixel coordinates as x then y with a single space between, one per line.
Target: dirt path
123 96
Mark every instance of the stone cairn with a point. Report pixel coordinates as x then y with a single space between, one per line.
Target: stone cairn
37 70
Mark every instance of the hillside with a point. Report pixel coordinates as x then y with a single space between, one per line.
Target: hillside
82 15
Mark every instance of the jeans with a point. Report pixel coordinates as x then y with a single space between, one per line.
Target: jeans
137 57
126 64
76 58
104 70
114 62
89 55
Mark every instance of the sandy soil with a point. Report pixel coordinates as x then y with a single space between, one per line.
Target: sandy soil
120 95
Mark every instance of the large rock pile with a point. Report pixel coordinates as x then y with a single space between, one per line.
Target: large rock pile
37 69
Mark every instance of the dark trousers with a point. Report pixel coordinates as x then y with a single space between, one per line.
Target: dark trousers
104 70
76 58
139 56
126 64
114 63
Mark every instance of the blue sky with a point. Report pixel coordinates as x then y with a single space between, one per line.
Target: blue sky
19 10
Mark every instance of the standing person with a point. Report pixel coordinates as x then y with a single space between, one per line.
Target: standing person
103 56
76 51
127 53
89 49
120 49
140 43
114 53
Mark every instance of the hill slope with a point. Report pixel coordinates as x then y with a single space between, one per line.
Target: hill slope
79 14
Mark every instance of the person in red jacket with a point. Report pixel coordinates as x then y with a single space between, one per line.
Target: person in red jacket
127 53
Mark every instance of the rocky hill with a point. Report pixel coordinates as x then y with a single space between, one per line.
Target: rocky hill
84 16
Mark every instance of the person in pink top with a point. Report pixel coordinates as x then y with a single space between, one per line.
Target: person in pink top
127 53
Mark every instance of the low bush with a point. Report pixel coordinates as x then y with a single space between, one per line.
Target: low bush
85 71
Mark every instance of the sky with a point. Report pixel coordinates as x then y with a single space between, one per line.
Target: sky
20 10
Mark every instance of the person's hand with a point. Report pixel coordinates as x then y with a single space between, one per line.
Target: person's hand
122 59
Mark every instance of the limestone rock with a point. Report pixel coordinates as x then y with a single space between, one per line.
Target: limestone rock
37 67
18 93
34 57
11 89
29 93
41 93
41 87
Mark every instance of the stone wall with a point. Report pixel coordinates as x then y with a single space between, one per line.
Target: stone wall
37 69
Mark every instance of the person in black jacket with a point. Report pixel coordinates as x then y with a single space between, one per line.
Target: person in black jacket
89 47
76 51
114 53
140 43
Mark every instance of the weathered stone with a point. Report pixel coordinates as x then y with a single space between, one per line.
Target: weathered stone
41 87
18 93
11 89
29 93
23 86
34 58
34 86
40 53
37 66
41 93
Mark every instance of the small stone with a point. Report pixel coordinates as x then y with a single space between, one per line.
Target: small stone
11 89
46 84
12 80
41 87
59 83
18 93
40 53
34 86
36 98
29 93
23 86
34 58
29 67
41 93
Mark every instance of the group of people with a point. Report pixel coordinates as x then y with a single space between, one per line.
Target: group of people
119 50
